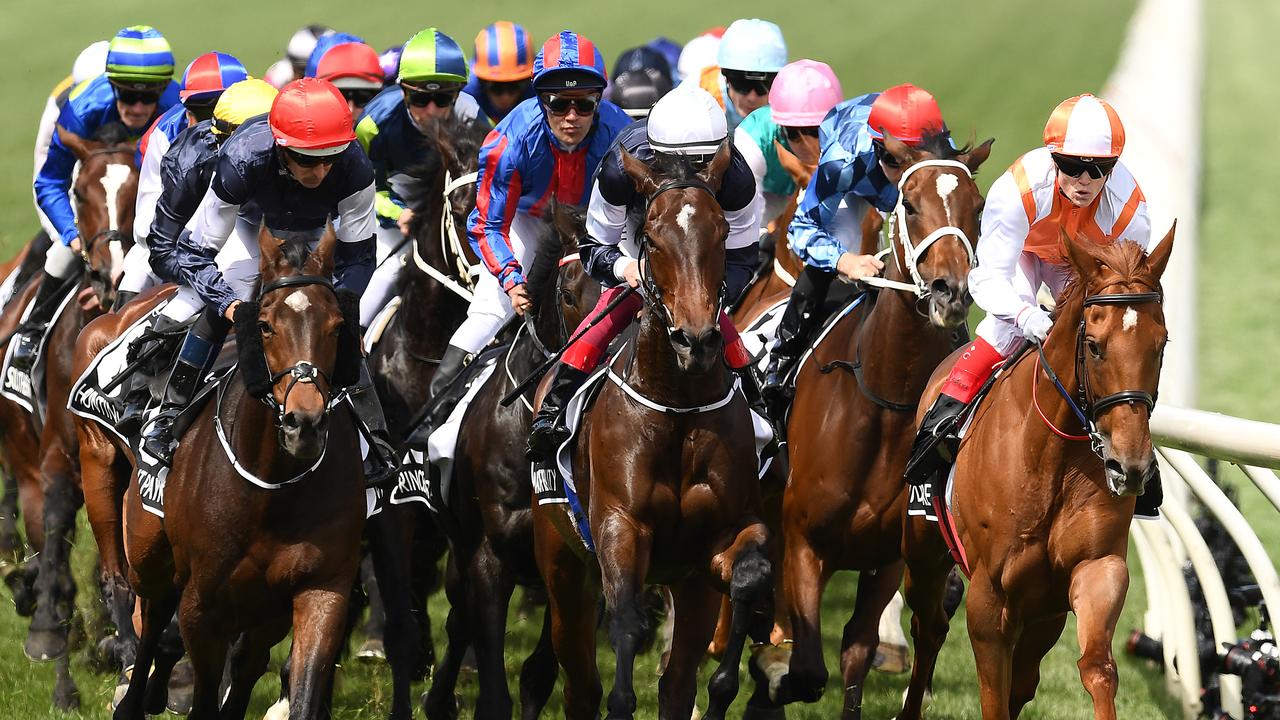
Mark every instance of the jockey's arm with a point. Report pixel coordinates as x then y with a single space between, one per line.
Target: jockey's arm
44 136
182 190
810 236
354 257
1004 232
197 250
387 205
150 186
740 199
601 253
489 224
54 181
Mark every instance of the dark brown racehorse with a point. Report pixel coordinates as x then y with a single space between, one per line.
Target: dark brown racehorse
1043 520
671 497
105 188
492 548
852 422
243 560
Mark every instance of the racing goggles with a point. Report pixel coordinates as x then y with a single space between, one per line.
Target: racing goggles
310 161
510 87
795 133
1075 166
423 98
744 82
883 156
358 96
559 105
129 96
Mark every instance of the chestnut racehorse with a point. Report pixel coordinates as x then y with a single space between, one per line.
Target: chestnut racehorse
1044 520
671 495
852 421
259 557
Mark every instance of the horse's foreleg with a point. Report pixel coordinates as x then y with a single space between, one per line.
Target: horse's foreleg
695 605
399 631
156 613
1036 641
750 582
572 605
928 567
246 663
10 540
168 652
804 579
440 701
488 595
319 621
55 588
862 632
208 652
1097 595
993 635
624 547
538 674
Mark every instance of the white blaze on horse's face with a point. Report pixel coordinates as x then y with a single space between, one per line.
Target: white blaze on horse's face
112 180
116 247
947 183
683 217
298 301
1130 319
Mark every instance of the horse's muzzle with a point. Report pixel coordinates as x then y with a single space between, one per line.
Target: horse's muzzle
948 303
303 434
697 351
1129 478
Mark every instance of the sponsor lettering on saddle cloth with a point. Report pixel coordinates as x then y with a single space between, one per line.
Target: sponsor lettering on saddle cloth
575 411
23 388
759 335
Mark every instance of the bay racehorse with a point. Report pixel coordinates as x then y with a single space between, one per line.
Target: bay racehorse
1041 512
852 421
105 188
670 495
492 546
271 541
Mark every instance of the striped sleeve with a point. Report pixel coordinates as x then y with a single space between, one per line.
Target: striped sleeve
497 196
810 237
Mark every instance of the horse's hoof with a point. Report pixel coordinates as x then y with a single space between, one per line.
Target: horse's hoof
106 654
892 659
279 711
772 661
372 650
20 582
65 694
181 688
436 709
756 712
45 645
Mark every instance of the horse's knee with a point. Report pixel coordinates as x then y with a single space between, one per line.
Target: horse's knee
1099 676
752 576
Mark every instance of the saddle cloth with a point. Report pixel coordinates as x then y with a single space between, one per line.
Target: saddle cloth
27 389
380 323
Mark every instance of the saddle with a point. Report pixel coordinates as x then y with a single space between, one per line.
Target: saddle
27 388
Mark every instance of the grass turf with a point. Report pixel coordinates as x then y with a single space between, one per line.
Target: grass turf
997 68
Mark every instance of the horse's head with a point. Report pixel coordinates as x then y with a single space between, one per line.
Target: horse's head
105 187
562 291
935 221
458 143
1119 350
799 170
299 321
683 251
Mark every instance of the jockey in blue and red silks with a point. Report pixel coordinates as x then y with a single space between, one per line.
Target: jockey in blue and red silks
547 147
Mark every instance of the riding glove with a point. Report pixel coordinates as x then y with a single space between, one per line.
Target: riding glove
1034 323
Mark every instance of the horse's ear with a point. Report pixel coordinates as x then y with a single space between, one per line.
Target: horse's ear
713 174
1079 253
901 152
640 172
975 157
1158 260
79 146
271 260
799 172
320 262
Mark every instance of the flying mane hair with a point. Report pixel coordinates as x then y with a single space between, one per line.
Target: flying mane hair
939 144
111 134
1125 258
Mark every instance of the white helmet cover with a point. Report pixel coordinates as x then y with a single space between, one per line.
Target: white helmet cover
687 121
90 63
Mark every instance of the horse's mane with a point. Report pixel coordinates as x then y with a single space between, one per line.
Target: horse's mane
1126 258
111 134
939 144
674 167
296 251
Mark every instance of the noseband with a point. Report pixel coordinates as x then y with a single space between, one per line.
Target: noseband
303 371
1086 407
649 289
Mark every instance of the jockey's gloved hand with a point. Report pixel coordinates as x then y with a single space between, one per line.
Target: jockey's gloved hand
1034 323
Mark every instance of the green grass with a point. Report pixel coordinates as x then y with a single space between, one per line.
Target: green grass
997 67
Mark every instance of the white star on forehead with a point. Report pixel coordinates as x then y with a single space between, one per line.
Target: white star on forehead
298 301
947 183
682 219
1130 319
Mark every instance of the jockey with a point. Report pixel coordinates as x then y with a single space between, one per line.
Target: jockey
300 166
324 44
137 85
547 147
749 57
685 126
854 174
641 76
390 61
184 175
433 70
1075 183
353 68
670 51
801 96
202 84
502 69
698 54
294 63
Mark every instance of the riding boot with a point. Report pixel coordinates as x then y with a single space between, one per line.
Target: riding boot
201 345
1148 505
382 461
549 431
122 298
802 316
155 354
937 440
443 400
27 339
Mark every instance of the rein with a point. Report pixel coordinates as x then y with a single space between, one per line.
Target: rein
649 289
450 244
303 371
1087 408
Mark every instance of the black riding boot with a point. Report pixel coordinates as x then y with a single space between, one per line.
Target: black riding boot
1148 505
802 316
27 339
548 429
198 351
936 442
455 358
122 298
156 354
382 462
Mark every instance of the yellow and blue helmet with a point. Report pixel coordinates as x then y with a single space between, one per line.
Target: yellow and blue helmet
139 55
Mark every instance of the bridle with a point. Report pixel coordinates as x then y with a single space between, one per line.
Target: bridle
1086 407
451 245
649 289
304 371
912 252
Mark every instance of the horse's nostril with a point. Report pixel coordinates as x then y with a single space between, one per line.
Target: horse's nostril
290 421
942 289
679 337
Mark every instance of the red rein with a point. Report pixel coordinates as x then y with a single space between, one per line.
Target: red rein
1035 399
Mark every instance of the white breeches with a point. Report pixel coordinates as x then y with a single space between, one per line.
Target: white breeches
390 259
237 260
491 307
137 270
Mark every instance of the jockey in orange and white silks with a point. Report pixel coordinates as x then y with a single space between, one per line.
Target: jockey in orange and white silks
1076 183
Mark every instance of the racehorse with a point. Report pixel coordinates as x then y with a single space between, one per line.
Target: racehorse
852 421
261 531
1043 515
492 547
670 495
105 187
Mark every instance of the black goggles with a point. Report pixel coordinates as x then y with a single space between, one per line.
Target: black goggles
423 98
559 105
744 82
795 133
358 96
1075 166
883 156
310 161
510 87
136 97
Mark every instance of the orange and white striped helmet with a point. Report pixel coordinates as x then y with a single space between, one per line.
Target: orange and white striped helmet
1085 126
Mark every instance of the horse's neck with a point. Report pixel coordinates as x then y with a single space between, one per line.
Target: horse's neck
657 375
906 345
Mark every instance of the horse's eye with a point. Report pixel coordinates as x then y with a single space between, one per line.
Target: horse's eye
568 299
1094 349
265 328
906 204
